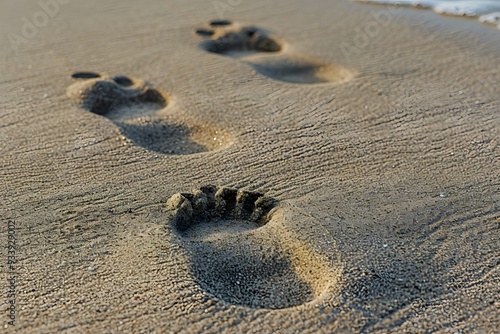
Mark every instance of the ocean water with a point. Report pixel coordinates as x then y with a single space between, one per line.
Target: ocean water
487 11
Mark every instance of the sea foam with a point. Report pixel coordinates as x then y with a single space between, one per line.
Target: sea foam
488 11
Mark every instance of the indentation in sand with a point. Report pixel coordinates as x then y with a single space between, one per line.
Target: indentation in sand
139 112
241 253
299 70
267 55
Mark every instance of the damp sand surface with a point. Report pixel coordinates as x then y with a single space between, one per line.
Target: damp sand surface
487 11
355 180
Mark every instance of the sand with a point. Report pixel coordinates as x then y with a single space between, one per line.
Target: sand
353 150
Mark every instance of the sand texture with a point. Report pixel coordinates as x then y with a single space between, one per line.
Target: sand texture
248 166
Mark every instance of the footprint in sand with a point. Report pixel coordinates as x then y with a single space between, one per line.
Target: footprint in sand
268 55
241 252
140 113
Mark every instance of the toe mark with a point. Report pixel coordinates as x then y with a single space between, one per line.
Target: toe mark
212 202
204 32
267 44
123 80
250 32
152 96
216 23
85 75
226 201
246 39
246 201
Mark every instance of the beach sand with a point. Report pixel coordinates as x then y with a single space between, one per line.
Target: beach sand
362 139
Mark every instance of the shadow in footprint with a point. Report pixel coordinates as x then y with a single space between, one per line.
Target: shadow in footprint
238 253
265 54
136 109
149 135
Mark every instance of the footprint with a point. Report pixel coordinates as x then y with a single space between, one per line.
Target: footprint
240 251
268 55
139 112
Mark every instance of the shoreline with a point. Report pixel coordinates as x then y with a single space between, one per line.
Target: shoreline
376 140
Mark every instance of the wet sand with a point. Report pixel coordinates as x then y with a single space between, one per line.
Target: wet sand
353 149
